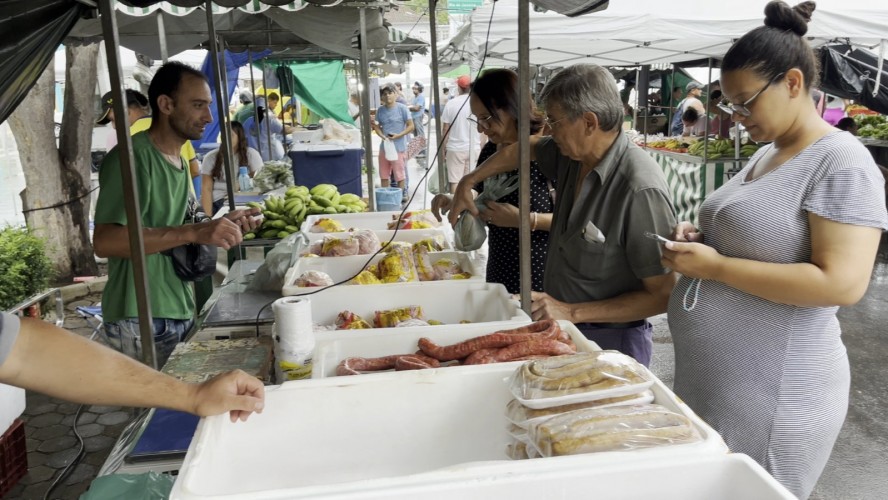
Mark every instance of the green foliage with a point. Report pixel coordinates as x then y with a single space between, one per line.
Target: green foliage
24 268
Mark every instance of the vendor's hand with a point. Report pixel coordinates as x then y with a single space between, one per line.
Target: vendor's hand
245 218
501 214
694 260
234 392
462 200
220 232
545 307
441 205
684 231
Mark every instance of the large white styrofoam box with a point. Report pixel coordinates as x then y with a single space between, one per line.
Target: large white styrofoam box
343 268
364 220
12 405
449 302
349 437
330 350
407 235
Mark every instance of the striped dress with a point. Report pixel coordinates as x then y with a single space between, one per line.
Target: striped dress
773 379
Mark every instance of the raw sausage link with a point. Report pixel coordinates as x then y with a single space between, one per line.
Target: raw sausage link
411 363
549 347
353 366
481 357
493 340
536 327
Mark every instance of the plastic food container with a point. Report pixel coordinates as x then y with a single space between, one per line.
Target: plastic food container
331 349
449 302
439 433
342 268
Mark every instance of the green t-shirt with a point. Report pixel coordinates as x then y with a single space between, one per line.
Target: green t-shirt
163 196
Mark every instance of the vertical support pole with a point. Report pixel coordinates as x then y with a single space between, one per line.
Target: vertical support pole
524 152
439 155
365 109
162 37
706 114
266 120
131 197
671 103
221 107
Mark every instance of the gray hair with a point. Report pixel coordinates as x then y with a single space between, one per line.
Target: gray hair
586 88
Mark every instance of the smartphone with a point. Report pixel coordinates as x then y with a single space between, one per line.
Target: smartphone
655 236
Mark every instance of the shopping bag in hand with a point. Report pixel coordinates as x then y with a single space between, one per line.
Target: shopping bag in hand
391 152
469 233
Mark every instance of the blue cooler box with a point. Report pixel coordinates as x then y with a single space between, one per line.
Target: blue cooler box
334 165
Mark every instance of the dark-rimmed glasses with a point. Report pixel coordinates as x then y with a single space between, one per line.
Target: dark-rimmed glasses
743 108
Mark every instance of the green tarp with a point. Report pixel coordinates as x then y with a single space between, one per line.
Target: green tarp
319 85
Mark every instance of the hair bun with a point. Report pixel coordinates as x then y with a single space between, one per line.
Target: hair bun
783 17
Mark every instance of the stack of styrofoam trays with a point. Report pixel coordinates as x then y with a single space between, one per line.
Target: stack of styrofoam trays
342 268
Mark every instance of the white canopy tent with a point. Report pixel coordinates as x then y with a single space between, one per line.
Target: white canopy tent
641 32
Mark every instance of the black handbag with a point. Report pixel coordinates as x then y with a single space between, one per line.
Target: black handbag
193 261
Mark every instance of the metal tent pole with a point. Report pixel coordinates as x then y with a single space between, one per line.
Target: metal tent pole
671 103
221 107
267 122
131 197
253 91
706 114
444 186
365 110
161 36
637 92
524 152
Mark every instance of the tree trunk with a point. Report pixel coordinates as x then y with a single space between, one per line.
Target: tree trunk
56 200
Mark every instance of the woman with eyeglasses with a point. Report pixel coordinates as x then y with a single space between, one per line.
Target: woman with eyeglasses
494 103
779 248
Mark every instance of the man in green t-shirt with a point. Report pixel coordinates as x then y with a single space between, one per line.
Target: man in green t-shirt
180 102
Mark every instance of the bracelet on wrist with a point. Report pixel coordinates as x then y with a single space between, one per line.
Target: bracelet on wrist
533 221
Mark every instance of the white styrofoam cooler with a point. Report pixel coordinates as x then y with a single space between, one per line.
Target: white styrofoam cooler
330 350
364 220
343 268
408 235
449 302
392 435
12 405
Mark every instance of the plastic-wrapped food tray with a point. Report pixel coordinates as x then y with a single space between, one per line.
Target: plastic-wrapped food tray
342 268
378 221
333 347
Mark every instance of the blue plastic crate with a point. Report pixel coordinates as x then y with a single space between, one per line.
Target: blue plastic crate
341 167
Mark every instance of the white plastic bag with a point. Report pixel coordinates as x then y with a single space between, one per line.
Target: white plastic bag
391 153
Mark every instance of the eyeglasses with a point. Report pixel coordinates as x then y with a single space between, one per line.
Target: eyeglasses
552 123
481 122
743 109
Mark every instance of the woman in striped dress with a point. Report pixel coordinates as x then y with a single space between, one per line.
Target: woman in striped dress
780 247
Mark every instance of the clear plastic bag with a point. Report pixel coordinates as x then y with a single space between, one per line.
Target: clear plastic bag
314 278
270 275
424 268
397 266
469 233
390 151
326 225
619 428
523 416
339 246
578 378
392 317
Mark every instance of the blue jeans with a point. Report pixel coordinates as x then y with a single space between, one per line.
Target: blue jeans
636 341
124 337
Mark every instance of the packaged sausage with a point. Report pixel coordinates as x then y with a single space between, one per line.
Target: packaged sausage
619 428
522 416
578 378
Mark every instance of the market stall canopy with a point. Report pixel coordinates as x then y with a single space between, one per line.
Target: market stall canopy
855 74
299 29
639 32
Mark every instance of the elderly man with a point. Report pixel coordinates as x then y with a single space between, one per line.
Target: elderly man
180 102
602 273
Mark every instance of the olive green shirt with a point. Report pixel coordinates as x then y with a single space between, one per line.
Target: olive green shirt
624 196
163 197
